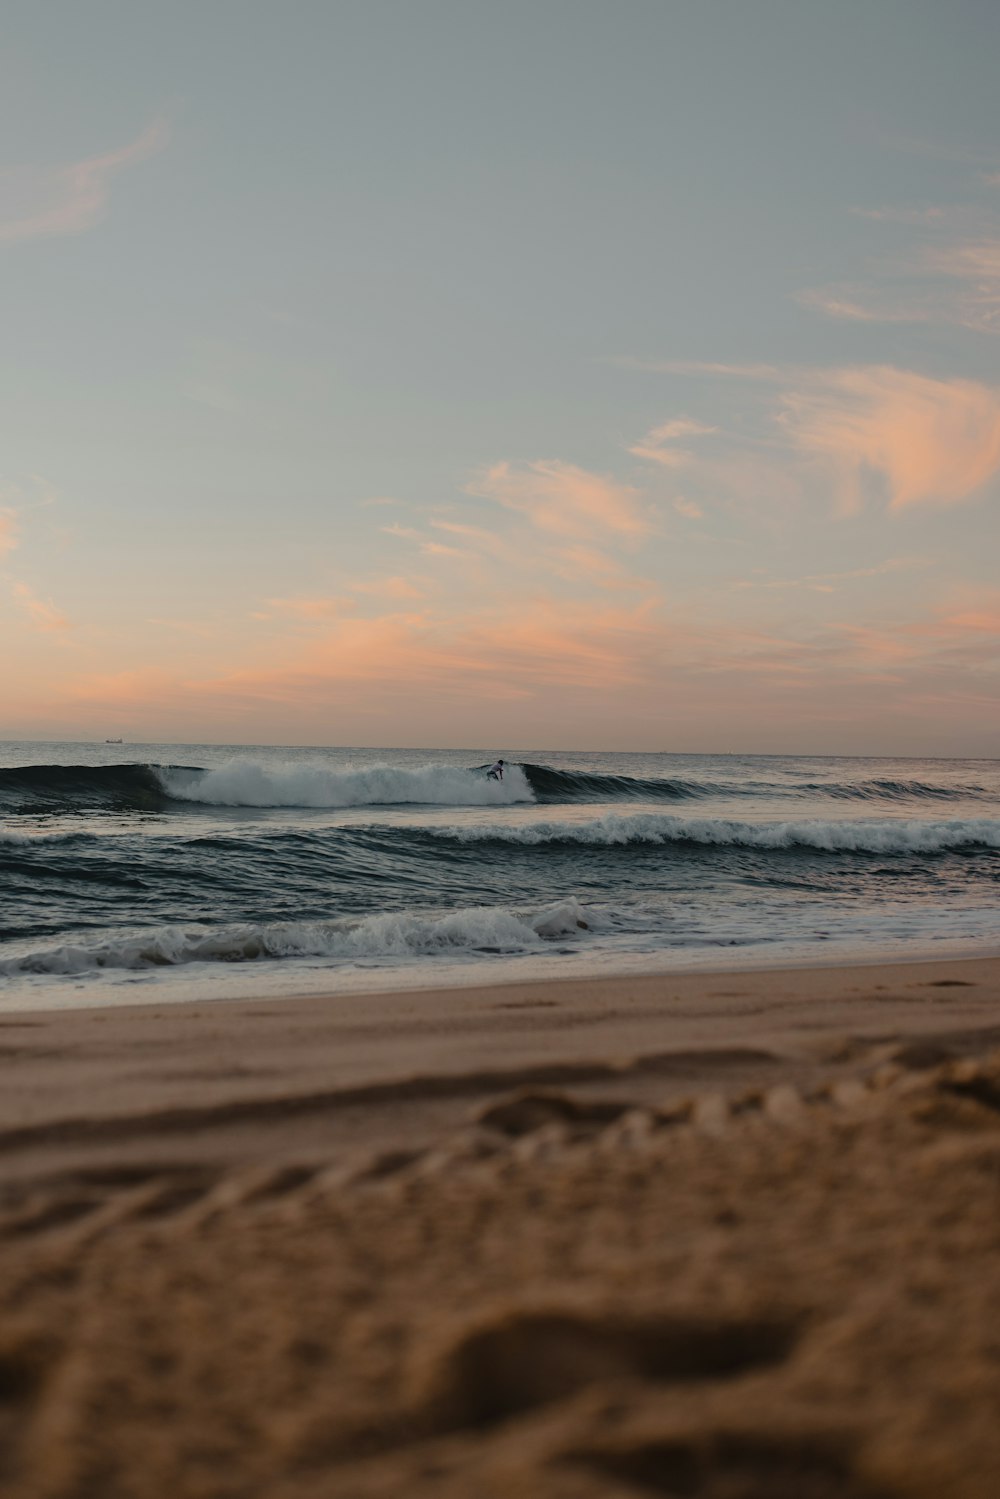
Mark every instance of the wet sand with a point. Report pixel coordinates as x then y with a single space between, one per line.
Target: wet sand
732 1235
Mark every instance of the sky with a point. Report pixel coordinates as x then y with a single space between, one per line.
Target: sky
552 374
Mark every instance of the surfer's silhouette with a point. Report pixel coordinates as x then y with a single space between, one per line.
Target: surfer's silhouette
495 772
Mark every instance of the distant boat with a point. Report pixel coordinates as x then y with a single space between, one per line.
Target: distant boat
113 741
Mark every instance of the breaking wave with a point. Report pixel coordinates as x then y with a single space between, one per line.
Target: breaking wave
10 838
245 783
468 932
885 836
249 783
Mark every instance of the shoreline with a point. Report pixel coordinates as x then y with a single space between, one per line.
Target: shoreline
462 976
268 1074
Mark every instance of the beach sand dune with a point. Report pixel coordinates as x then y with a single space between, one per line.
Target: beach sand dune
740 1259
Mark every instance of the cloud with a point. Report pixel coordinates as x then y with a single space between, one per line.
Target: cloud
8 531
428 546
950 274
550 636
588 564
688 508
932 441
986 621
862 430
544 660
34 493
978 260
531 548
696 367
485 540
656 445
564 500
190 626
405 533
959 637
533 670
974 610
42 612
439 549
825 582
975 265
395 587
527 651
846 303
312 608
36 202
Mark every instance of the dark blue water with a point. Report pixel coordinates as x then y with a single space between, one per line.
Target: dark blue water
130 872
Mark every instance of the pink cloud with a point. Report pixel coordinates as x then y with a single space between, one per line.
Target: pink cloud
972 610
933 441
563 499
312 608
405 662
44 615
536 645
977 620
431 548
656 445
395 587
878 647
860 305
8 531
41 201
826 582
405 533
538 670
484 541
439 549
588 564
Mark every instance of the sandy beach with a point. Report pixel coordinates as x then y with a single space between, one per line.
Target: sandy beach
730 1235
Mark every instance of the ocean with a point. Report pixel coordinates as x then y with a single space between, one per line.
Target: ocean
151 873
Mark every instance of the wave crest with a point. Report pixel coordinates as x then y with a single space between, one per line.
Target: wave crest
244 783
885 836
465 932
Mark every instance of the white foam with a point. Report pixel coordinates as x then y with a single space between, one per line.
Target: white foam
883 836
245 783
11 839
402 934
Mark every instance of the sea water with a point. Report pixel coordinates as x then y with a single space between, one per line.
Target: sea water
133 873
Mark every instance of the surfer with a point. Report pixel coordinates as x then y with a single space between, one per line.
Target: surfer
495 772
